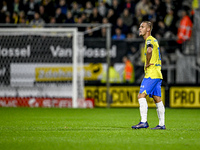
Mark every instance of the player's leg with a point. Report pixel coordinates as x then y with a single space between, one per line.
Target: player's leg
143 112
143 105
160 107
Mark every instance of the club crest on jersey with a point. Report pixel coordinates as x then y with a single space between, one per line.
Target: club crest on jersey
148 42
142 86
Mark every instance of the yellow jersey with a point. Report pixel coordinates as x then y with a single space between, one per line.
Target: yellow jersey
153 71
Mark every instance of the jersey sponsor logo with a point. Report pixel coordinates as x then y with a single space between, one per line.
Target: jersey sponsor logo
148 42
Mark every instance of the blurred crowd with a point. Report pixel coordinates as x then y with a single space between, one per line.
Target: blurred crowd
124 15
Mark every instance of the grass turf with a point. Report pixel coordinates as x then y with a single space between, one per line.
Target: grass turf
52 128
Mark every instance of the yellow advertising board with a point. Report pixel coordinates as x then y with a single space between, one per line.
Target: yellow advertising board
122 96
188 97
53 73
92 71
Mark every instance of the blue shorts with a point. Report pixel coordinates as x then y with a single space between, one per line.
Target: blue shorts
151 87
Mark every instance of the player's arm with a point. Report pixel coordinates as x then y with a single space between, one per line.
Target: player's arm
149 55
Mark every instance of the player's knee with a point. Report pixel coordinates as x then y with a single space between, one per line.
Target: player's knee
157 99
141 95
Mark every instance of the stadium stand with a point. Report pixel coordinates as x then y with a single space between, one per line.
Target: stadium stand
165 14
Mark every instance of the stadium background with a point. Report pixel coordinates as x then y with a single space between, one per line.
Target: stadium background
58 127
180 86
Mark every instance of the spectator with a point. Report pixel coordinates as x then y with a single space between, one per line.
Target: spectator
80 21
62 5
161 30
43 14
88 9
102 9
120 24
91 33
151 16
160 9
169 5
170 21
185 28
52 20
111 16
37 21
107 2
23 23
114 76
21 18
85 18
17 6
105 20
130 36
128 74
116 8
7 18
15 18
143 6
144 10
49 7
60 18
69 18
30 8
137 18
118 35
130 5
4 7
127 17
103 32
95 16
75 10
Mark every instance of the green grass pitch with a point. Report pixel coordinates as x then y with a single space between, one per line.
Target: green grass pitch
93 129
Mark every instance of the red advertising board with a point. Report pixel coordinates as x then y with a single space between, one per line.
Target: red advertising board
41 102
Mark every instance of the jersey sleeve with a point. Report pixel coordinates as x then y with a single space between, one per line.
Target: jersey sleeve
149 43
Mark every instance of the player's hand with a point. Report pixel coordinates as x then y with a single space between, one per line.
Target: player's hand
147 65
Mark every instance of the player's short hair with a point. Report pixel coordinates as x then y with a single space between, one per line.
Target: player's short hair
149 23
